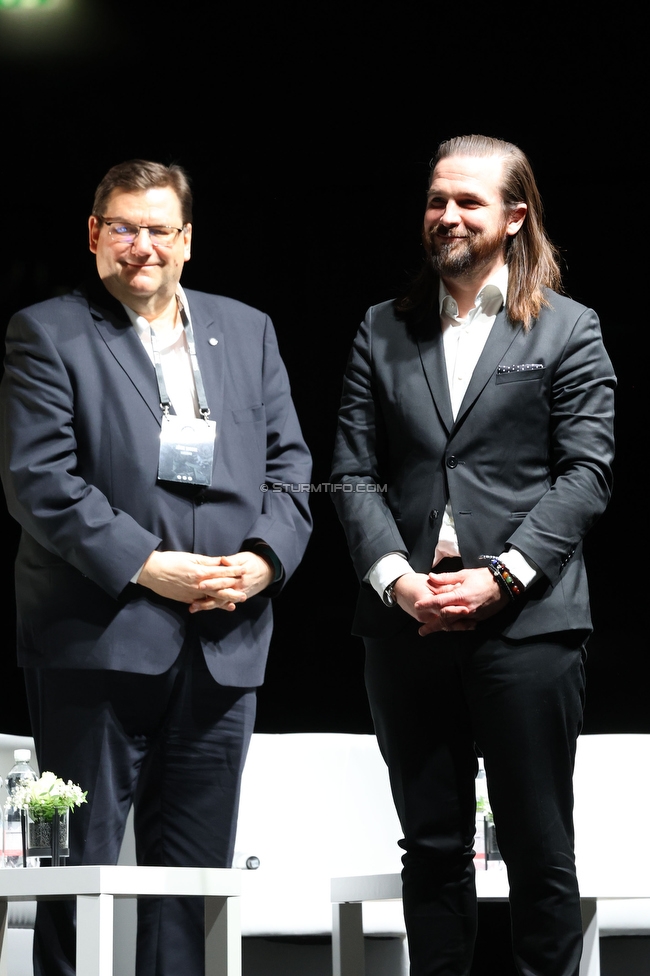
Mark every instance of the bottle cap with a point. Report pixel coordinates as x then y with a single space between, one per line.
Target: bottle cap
22 755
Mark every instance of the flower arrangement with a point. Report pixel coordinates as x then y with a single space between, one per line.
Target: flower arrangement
46 795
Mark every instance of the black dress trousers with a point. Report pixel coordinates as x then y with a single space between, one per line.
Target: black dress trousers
435 699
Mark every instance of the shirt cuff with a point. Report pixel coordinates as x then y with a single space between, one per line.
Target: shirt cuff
136 576
386 570
522 568
263 549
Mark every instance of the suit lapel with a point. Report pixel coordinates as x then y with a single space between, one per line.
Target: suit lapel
125 346
432 357
501 337
210 352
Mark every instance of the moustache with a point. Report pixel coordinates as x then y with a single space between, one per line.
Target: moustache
436 239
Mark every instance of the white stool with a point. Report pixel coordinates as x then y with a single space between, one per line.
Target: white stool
95 887
348 895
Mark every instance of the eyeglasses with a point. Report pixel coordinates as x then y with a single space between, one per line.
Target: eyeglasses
121 232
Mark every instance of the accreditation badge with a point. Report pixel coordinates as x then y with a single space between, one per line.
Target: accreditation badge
186 450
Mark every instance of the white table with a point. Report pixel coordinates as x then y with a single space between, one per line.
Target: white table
95 887
348 895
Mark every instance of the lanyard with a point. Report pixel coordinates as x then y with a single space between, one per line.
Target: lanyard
165 402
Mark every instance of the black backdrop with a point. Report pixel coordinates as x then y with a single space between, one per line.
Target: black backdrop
307 131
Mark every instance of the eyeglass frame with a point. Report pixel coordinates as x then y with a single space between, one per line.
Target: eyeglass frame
140 227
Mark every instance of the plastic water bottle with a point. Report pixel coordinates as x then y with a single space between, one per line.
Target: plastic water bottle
21 772
2 831
482 808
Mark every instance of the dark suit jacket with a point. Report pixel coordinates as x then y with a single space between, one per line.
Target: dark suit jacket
81 423
526 463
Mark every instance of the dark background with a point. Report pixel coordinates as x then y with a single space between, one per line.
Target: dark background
307 131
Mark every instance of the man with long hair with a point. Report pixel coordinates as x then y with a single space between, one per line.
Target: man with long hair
483 401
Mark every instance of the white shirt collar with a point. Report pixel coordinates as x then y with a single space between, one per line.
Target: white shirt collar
142 327
489 300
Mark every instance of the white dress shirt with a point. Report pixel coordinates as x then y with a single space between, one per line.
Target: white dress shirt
176 364
174 358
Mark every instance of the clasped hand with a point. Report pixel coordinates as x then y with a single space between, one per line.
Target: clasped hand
449 601
206 582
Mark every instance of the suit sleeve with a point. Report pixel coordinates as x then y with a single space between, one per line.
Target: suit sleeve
360 467
581 447
284 522
44 491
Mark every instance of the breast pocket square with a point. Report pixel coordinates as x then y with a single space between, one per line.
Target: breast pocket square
519 372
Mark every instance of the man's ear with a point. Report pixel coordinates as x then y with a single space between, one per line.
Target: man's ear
94 228
187 242
516 217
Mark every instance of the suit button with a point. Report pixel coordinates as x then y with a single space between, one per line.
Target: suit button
452 462
433 515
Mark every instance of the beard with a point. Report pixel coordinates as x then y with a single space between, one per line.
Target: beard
467 255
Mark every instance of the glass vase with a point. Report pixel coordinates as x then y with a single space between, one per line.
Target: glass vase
48 838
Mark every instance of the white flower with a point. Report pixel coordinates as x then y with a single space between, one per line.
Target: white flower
46 793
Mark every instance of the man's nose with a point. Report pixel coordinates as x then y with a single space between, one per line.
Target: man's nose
450 215
141 243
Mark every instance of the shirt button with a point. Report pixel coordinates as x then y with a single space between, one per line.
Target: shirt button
213 341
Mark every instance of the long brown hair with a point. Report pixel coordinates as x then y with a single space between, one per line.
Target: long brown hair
532 259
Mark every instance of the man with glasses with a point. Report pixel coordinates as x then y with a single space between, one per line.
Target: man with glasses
142 425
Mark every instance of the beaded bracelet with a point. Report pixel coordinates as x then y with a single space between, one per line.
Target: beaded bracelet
504 577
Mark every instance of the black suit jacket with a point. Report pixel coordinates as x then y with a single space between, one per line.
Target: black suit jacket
81 423
526 463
